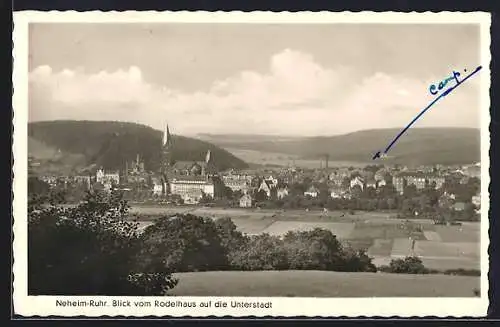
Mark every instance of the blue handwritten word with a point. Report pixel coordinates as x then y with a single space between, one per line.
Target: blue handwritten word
442 84
433 91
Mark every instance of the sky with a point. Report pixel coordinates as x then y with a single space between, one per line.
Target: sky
318 79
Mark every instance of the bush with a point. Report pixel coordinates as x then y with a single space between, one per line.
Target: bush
318 249
183 243
232 240
408 265
357 261
261 252
87 250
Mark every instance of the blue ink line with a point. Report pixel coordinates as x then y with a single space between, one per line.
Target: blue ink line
442 95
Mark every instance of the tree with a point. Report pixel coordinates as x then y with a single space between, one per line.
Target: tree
232 240
89 249
262 252
408 265
317 249
183 243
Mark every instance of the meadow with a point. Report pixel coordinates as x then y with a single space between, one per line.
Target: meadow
381 234
322 284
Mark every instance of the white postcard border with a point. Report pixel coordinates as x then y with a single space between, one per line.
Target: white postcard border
313 307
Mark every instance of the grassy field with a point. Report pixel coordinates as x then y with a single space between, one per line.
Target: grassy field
322 284
280 159
381 234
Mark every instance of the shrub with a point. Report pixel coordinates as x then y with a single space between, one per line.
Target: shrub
232 240
318 249
261 252
183 243
357 261
408 265
86 250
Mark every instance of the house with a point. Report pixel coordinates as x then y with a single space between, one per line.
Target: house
357 181
246 201
192 196
337 179
438 180
267 186
282 192
157 186
337 193
312 192
372 183
107 178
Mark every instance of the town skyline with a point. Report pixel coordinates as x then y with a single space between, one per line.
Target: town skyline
211 79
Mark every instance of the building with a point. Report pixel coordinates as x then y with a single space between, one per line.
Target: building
267 186
472 170
240 183
282 192
187 187
337 179
438 180
398 181
188 179
337 193
357 181
246 201
312 192
82 180
157 186
192 196
417 179
107 178
135 172
372 183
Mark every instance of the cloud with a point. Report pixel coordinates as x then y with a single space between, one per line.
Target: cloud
295 96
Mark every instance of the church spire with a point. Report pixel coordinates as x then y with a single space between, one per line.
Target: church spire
167 139
207 157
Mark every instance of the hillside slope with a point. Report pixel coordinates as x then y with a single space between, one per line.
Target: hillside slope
111 144
416 146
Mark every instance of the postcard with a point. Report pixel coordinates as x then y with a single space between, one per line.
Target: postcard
197 164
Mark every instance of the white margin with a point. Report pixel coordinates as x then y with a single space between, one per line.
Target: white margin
326 307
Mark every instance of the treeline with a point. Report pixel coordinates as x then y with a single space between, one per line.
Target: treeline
190 243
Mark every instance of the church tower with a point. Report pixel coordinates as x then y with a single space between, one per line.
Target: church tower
166 158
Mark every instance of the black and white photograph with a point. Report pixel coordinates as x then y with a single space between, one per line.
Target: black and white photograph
251 164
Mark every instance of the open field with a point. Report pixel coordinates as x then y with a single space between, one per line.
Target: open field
322 284
342 230
281 159
382 235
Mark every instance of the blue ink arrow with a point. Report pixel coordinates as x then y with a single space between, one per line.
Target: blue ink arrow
442 95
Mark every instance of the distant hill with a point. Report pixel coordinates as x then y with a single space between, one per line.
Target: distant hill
239 138
111 144
417 146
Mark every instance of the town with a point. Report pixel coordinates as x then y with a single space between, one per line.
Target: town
443 193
